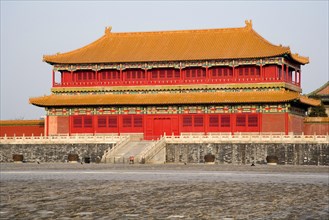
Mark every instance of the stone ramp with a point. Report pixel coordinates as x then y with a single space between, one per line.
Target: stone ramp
132 148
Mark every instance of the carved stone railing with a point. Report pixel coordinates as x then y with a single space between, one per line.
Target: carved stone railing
61 139
247 138
112 151
152 150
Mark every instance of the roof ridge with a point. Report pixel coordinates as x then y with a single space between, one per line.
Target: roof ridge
180 31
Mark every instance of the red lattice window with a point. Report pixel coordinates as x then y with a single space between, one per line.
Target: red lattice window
177 74
169 73
101 121
213 121
154 74
252 121
88 122
77 122
241 120
162 74
187 121
138 121
113 121
198 121
225 121
126 121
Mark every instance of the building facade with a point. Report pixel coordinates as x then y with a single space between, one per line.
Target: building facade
175 82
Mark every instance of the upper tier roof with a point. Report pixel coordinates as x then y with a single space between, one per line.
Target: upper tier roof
172 98
209 44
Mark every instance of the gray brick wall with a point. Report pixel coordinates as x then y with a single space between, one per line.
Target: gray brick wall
293 154
52 152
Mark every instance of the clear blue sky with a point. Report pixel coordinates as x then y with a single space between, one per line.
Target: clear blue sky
30 29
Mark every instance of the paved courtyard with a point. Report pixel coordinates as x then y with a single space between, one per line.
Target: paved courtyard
105 191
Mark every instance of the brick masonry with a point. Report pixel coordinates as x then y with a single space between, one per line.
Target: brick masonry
52 152
291 154
225 153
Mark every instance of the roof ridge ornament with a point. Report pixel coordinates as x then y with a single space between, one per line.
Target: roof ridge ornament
108 30
248 24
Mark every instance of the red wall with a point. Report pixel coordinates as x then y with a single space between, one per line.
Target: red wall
155 125
316 125
273 122
296 124
172 76
19 129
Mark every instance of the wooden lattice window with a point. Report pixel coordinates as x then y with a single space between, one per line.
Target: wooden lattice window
241 120
187 121
126 121
88 122
177 73
169 74
101 122
77 122
198 121
225 121
113 121
154 74
138 121
162 74
252 121
213 121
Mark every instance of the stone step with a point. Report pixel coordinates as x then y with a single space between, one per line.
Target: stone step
132 148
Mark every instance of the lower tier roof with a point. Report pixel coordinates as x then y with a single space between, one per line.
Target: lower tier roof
172 98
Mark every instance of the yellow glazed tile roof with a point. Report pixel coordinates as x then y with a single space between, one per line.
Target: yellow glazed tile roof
169 98
226 43
21 122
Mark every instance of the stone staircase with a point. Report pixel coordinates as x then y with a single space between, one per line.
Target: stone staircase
122 153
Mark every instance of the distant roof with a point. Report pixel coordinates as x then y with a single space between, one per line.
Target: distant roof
21 122
322 92
172 98
208 44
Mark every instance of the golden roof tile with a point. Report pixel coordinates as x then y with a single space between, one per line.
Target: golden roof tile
208 44
21 122
167 98
309 101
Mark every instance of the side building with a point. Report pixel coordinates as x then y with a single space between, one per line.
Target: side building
175 82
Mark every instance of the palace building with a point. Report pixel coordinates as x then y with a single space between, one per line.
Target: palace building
175 82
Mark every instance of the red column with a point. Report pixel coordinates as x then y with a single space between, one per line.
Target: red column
260 122
70 124
121 76
300 78
146 76
53 78
47 126
286 123
261 72
207 74
97 77
287 74
282 72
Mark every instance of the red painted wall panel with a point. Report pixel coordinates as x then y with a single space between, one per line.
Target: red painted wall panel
270 71
20 130
273 122
296 124
316 128
63 125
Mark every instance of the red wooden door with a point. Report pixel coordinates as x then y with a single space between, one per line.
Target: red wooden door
156 126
